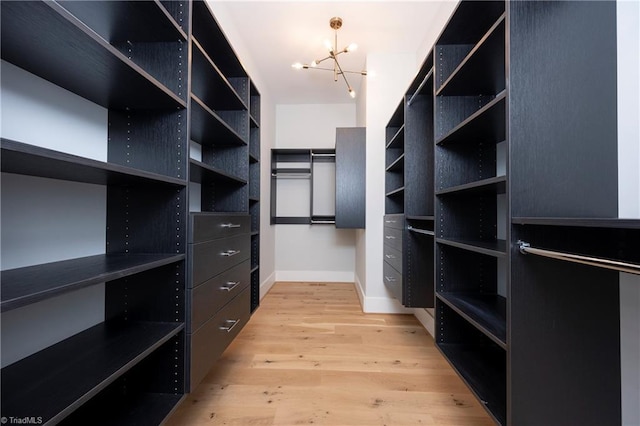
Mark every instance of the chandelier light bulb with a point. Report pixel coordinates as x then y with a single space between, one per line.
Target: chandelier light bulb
351 47
352 92
314 64
297 66
328 45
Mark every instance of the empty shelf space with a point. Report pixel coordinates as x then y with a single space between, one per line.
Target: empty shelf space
495 248
120 21
208 129
209 84
578 222
425 86
482 71
397 140
495 185
203 173
210 36
489 122
23 286
25 159
487 312
395 192
37 36
397 164
287 172
483 368
130 409
64 376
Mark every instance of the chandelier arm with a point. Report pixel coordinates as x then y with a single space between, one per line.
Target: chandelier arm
343 76
323 59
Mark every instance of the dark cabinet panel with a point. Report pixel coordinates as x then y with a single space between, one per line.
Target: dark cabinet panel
350 177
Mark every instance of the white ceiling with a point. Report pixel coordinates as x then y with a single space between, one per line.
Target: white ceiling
278 33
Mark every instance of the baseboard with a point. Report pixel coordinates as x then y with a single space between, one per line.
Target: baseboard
315 276
359 292
266 285
384 305
426 320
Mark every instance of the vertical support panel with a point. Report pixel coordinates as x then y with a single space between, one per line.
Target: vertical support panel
562 110
350 177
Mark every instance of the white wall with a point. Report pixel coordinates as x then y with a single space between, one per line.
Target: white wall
312 252
629 198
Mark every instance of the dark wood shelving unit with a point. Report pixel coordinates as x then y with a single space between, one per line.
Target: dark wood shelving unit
225 123
409 208
486 312
24 286
85 364
522 156
94 69
22 158
129 58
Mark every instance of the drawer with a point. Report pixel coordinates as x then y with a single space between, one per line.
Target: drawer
207 298
210 340
393 257
210 226
392 280
208 259
394 221
393 237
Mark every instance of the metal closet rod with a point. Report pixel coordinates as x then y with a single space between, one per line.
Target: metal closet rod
322 155
631 268
291 175
421 231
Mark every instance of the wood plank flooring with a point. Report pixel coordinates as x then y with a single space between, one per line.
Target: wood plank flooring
310 356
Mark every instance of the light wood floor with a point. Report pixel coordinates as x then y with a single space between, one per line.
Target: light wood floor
310 356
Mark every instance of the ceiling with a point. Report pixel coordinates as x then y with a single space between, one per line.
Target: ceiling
278 33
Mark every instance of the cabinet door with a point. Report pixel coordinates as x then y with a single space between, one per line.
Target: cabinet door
350 177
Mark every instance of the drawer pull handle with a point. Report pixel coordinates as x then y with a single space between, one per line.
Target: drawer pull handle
390 279
389 256
390 237
230 325
230 285
390 221
229 253
230 225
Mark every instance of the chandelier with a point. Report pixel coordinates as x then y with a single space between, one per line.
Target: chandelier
335 23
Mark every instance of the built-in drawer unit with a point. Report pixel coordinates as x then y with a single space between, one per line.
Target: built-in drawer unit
392 280
210 340
393 237
211 226
219 296
207 298
210 258
394 221
393 257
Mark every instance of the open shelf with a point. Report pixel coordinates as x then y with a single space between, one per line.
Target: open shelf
25 159
487 312
482 71
495 248
36 37
120 21
425 85
203 173
210 36
578 222
397 140
64 376
23 286
489 121
496 185
205 123
396 165
210 85
483 368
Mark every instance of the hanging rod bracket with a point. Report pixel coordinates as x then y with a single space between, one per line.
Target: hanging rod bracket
523 246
